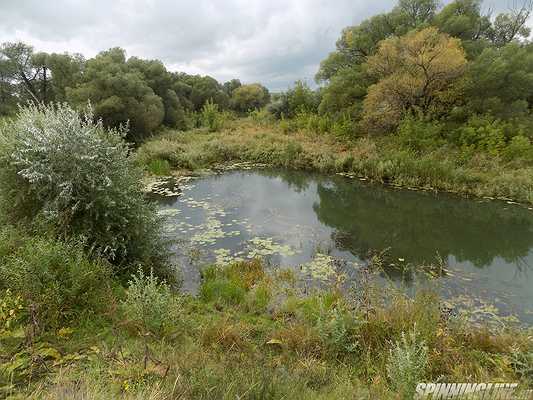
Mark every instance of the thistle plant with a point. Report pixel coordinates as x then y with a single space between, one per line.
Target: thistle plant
407 362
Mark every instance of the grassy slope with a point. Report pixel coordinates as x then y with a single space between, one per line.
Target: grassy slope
378 159
252 335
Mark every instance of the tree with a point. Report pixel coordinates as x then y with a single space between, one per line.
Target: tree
230 86
500 81
356 44
200 89
415 72
359 42
345 92
250 97
463 19
510 26
119 94
66 70
8 99
24 73
161 82
415 13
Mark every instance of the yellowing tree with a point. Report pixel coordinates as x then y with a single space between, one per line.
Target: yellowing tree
415 72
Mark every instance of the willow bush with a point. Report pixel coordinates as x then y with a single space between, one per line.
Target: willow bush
66 173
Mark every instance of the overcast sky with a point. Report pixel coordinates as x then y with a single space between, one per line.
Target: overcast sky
273 42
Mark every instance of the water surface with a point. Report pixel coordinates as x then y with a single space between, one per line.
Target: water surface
328 228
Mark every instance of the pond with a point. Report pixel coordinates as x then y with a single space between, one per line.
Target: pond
329 227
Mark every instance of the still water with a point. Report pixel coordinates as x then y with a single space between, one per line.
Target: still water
328 228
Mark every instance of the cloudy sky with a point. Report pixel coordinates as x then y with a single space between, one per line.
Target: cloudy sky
270 41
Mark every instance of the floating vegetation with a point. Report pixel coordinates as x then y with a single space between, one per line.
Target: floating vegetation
242 166
321 268
168 186
223 257
266 246
478 310
169 212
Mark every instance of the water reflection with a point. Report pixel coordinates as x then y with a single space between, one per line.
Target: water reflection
288 217
415 226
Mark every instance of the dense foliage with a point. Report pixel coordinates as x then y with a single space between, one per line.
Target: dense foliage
71 175
121 90
444 65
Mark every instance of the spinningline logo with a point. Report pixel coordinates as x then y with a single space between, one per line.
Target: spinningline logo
485 391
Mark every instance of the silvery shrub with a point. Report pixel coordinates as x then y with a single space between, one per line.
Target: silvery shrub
66 173
407 363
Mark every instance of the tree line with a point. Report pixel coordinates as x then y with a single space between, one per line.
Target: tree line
428 74
120 90
425 73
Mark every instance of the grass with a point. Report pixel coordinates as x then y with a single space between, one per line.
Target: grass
271 341
379 159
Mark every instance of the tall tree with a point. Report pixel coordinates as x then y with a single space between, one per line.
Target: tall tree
24 72
119 94
250 97
416 72
500 81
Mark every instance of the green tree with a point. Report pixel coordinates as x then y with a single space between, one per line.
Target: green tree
512 25
500 81
161 82
345 92
24 74
230 86
359 42
463 19
250 97
66 72
119 94
200 89
8 98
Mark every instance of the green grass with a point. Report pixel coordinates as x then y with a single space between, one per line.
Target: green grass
379 159
159 167
270 341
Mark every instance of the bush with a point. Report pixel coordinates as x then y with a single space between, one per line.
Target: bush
149 303
420 135
159 167
344 127
483 133
406 365
261 117
56 281
337 328
519 148
212 118
78 179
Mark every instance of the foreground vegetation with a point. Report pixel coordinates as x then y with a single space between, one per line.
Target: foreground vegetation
89 314
297 145
69 330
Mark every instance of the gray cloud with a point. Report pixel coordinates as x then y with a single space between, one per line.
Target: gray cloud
271 41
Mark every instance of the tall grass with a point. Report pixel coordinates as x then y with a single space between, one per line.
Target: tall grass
377 159
322 345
